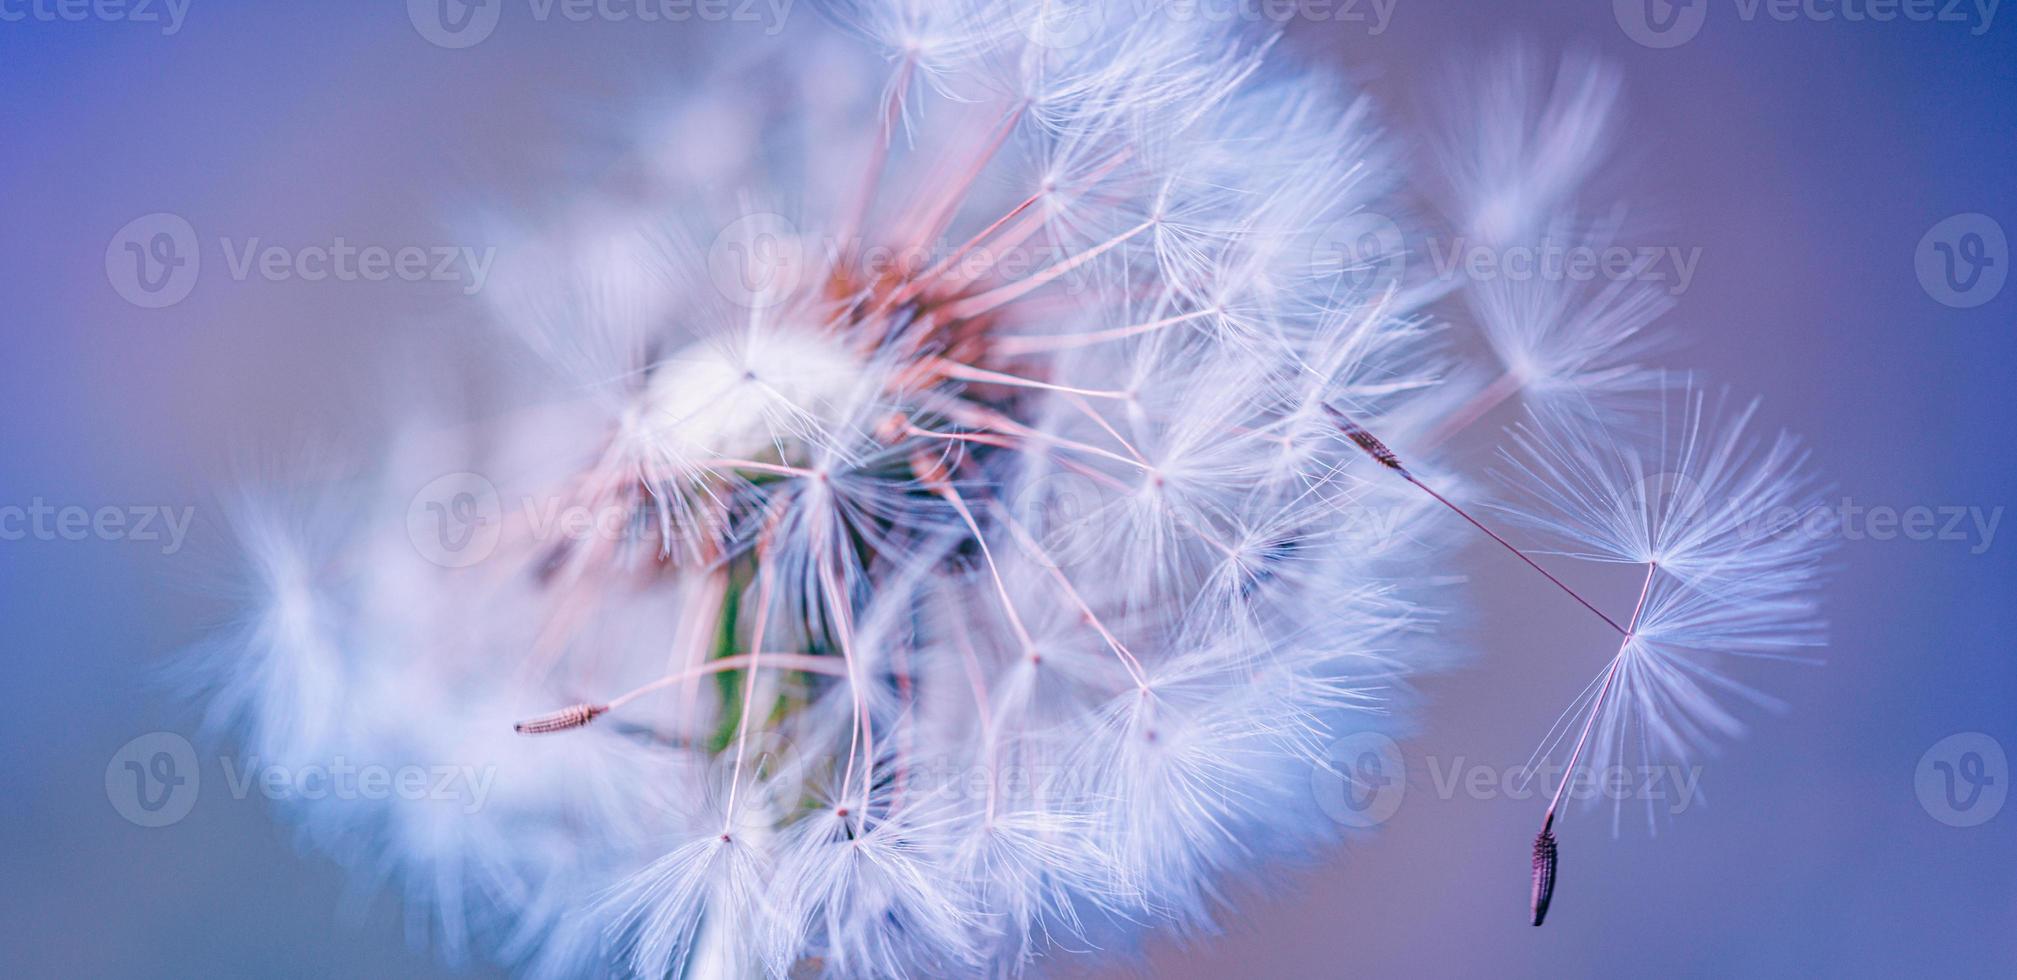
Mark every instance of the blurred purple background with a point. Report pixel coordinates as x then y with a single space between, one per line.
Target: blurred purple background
1806 159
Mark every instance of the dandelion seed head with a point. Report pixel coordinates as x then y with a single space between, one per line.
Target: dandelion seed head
704 402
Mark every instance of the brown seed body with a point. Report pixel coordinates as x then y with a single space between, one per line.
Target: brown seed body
1366 441
1544 874
563 720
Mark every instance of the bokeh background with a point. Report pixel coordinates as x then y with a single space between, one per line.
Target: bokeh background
1806 159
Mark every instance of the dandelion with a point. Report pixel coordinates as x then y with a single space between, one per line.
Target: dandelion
945 566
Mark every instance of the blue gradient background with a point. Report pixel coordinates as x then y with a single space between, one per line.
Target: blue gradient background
1805 159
